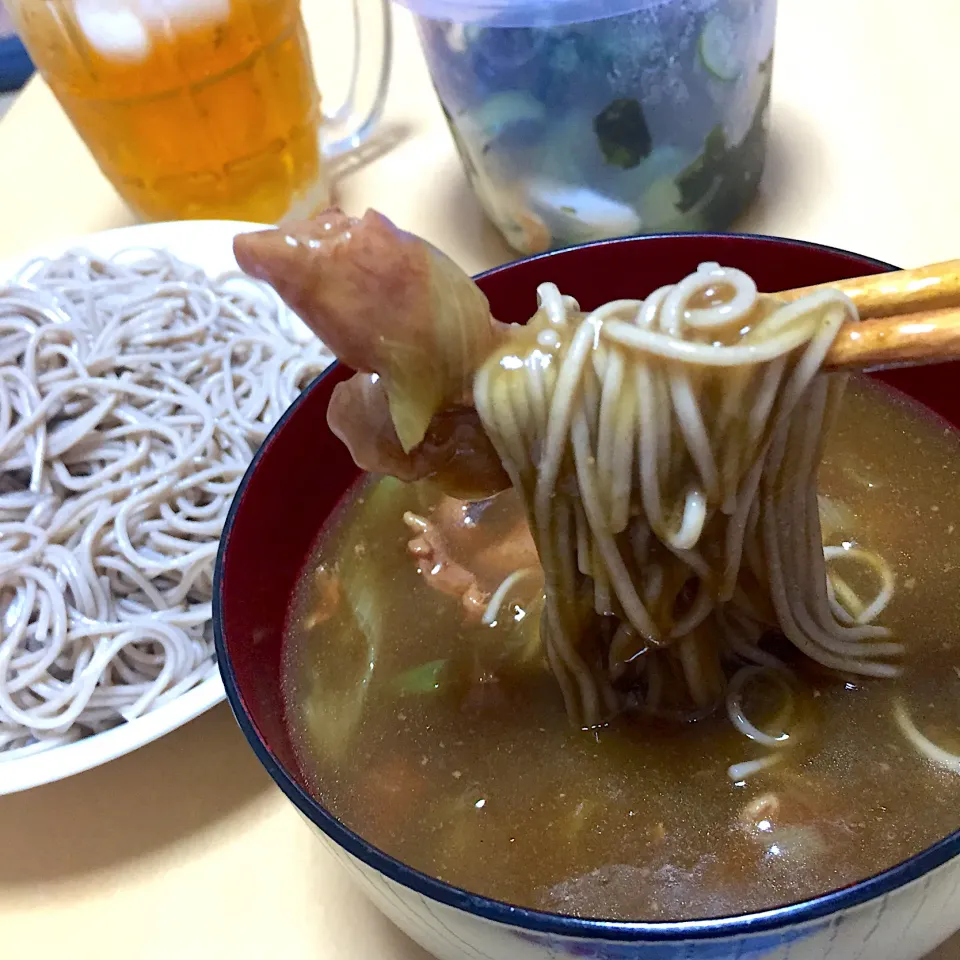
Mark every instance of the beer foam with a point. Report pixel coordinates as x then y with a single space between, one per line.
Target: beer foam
122 30
113 31
180 12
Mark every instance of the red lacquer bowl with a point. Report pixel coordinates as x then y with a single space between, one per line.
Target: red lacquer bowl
295 481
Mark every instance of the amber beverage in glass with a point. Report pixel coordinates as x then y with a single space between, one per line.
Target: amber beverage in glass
199 108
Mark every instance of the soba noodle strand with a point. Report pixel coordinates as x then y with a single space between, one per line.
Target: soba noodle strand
670 485
133 394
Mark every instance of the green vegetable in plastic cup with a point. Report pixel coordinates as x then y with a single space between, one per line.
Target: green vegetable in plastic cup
564 110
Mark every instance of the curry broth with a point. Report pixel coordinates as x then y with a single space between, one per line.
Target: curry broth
441 744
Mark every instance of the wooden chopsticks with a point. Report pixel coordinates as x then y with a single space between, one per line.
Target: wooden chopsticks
906 317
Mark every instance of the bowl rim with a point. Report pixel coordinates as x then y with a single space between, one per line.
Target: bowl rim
525 918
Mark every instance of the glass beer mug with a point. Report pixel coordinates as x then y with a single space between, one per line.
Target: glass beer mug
201 108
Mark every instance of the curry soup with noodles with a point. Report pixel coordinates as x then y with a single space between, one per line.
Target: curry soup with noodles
444 741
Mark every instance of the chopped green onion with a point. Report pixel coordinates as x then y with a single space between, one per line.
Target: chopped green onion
424 678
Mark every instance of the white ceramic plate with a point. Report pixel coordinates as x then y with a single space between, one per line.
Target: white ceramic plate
208 244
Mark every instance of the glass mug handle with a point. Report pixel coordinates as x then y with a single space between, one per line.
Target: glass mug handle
359 127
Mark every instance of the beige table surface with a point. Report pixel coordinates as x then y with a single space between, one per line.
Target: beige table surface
185 849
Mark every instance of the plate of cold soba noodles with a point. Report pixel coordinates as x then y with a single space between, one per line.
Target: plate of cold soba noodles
139 373
597 591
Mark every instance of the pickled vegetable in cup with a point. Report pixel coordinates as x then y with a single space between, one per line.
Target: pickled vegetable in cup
578 120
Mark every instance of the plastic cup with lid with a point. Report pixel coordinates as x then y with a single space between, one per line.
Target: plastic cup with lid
578 120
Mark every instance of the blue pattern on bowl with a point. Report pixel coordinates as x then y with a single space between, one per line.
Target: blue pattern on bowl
905 923
759 947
